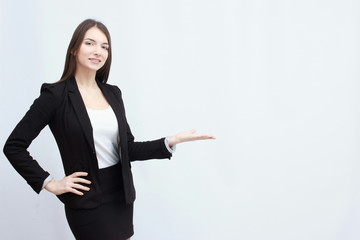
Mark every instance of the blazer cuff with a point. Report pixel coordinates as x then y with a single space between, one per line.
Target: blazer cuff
170 149
46 181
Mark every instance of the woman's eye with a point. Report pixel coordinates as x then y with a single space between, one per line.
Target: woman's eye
105 47
89 43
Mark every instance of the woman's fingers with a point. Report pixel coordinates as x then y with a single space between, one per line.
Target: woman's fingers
79 174
192 131
200 136
80 187
192 136
77 177
74 191
188 136
72 183
74 180
81 180
204 136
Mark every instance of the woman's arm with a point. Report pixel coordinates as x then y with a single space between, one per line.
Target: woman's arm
15 149
156 148
37 117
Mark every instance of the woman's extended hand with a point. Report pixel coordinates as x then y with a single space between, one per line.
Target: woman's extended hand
188 136
69 184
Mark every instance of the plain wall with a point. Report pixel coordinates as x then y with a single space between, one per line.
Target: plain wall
277 82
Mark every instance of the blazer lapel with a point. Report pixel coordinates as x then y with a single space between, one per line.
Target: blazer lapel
81 112
119 113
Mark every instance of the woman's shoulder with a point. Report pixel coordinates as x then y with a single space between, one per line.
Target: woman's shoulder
112 87
56 86
54 90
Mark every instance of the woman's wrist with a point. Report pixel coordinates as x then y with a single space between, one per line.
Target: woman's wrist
173 140
50 185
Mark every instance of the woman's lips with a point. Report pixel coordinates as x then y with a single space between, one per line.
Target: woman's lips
94 60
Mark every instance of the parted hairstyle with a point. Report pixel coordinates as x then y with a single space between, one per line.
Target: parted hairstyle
77 38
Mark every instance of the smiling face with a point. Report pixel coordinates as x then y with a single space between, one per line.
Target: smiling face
93 51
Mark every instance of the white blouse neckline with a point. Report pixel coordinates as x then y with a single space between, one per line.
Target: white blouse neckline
92 109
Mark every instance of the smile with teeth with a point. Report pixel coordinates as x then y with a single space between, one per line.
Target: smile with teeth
94 60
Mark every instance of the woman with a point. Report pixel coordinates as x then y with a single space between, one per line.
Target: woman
87 118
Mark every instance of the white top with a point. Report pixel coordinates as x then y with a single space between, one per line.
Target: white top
106 136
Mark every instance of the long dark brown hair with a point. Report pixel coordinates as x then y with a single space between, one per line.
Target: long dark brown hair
70 63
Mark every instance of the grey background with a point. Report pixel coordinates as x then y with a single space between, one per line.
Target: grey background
277 82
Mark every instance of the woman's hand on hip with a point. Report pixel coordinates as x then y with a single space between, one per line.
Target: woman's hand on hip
69 183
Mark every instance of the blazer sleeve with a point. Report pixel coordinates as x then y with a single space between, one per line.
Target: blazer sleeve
155 149
35 119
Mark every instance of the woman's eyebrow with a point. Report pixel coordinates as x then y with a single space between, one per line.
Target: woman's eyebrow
90 39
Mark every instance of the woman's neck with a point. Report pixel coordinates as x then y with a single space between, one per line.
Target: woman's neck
85 80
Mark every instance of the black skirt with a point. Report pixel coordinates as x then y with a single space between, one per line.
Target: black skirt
113 219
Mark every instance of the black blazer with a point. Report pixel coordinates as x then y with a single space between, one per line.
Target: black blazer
61 107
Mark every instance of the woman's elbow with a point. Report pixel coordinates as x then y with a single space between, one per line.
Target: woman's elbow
9 149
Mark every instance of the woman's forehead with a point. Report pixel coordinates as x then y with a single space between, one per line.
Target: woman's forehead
96 34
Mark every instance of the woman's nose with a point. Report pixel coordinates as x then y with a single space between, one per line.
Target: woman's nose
97 50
